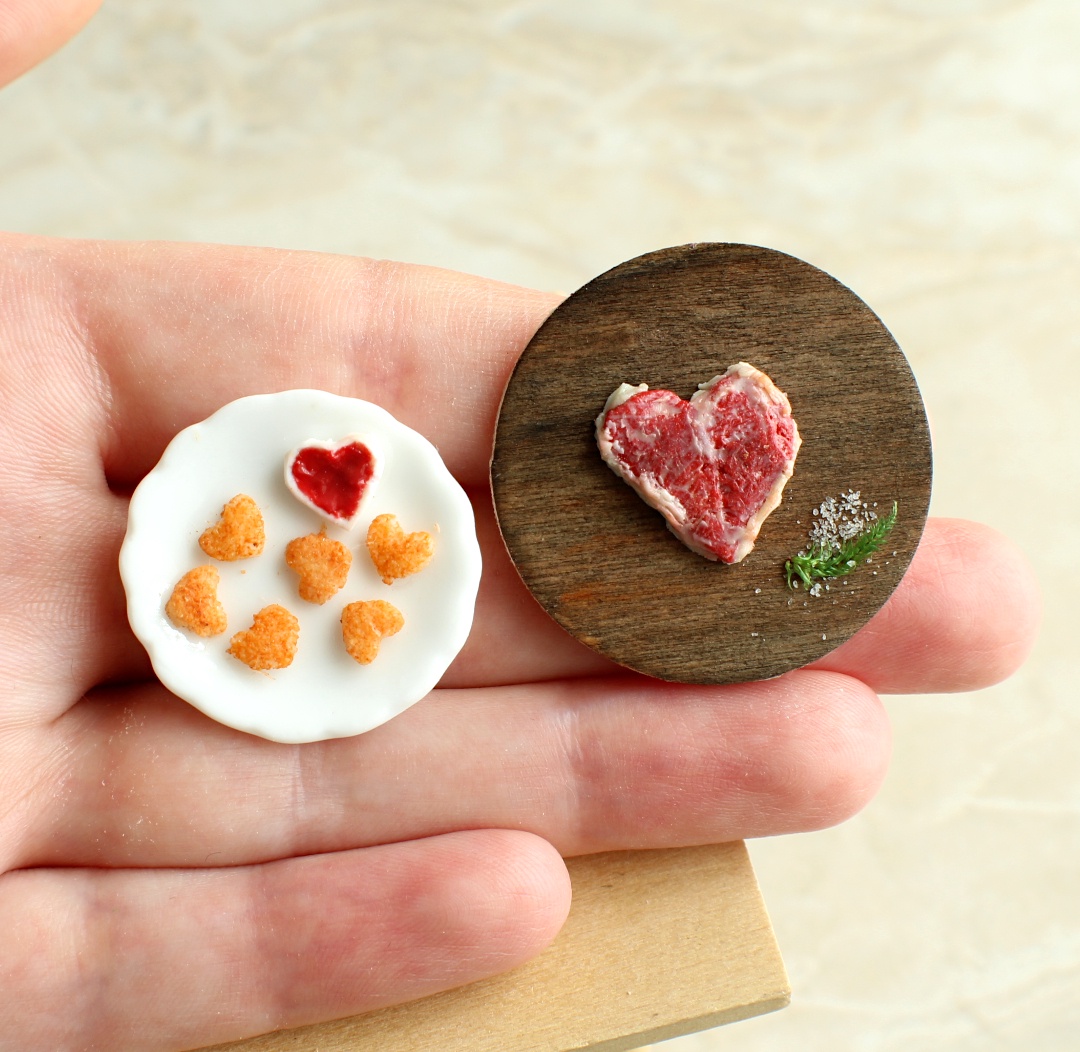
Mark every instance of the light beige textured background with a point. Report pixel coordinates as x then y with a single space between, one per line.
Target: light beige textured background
926 152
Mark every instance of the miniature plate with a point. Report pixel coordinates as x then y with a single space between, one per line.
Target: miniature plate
324 693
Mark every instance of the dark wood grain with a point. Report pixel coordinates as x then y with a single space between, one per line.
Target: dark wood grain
603 563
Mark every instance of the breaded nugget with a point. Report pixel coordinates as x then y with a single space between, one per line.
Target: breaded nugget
395 553
364 625
238 534
194 603
270 642
321 563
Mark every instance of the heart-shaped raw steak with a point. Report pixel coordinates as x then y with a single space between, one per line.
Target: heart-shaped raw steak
332 478
714 467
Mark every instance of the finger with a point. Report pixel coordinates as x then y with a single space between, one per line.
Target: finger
179 330
589 765
30 30
513 640
949 626
964 617
147 309
164 960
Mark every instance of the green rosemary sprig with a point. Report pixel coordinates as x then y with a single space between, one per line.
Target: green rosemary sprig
821 562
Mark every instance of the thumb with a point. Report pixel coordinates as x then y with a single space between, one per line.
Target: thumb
31 30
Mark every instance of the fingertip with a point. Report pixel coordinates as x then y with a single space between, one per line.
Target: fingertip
978 605
383 925
195 957
1001 584
525 897
31 30
838 758
965 616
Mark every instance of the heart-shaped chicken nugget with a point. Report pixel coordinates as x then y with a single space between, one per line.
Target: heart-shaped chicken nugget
364 625
238 534
395 553
321 563
270 642
194 603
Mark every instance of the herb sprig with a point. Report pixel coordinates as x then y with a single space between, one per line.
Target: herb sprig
822 561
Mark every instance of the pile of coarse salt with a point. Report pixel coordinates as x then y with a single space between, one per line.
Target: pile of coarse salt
836 520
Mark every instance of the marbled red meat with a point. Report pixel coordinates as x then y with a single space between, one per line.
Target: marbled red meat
714 467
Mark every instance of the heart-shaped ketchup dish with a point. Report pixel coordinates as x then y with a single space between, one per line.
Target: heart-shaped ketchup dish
332 478
714 466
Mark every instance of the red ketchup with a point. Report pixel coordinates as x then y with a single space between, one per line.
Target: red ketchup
334 480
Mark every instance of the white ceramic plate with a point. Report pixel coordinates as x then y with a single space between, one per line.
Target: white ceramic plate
323 693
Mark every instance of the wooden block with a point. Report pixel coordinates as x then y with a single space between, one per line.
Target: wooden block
658 944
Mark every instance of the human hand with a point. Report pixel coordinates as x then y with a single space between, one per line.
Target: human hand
30 30
169 882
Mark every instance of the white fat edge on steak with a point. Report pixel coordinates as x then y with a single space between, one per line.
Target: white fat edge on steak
664 502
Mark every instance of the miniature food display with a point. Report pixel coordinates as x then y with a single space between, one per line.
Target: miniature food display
715 466
307 577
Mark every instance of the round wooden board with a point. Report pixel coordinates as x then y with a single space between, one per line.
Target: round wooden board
603 563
